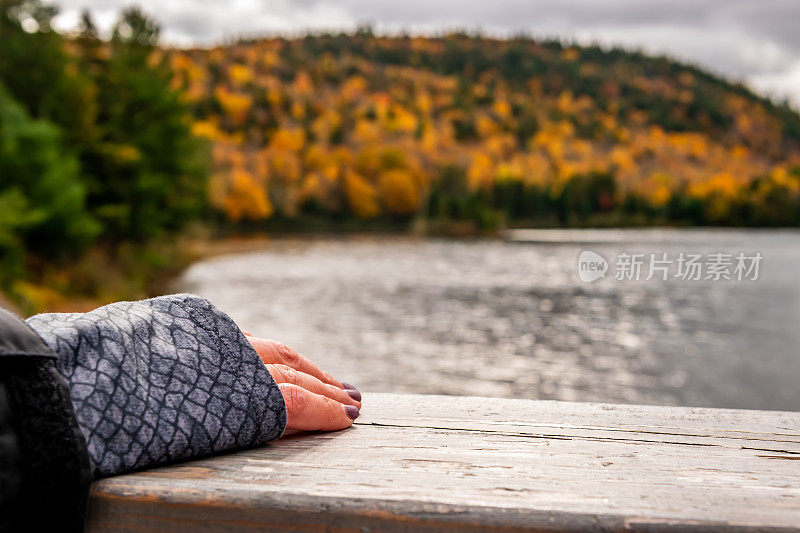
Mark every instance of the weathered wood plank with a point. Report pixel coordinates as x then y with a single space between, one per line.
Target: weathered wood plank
450 463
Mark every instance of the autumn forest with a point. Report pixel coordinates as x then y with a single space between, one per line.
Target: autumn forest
512 132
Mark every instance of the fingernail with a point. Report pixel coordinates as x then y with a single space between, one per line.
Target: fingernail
348 386
354 394
352 411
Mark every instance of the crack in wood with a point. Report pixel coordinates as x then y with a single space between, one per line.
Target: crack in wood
550 436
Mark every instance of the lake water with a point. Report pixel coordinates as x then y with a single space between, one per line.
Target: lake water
513 319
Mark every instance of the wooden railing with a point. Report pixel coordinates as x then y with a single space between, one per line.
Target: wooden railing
438 463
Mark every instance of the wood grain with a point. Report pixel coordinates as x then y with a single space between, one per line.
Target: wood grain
438 463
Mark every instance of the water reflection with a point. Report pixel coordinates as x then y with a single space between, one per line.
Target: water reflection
496 318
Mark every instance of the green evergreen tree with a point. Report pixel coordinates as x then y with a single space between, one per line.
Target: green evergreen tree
42 200
39 73
148 171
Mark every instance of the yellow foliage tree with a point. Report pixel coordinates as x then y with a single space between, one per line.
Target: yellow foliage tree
480 172
361 196
245 199
399 192
240 74
236 106
290 139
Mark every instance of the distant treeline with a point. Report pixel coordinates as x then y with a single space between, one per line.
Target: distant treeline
486 132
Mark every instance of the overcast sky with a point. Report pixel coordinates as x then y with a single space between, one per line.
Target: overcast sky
757 41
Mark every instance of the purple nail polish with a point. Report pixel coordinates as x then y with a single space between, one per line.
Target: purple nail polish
354 394
352 411
348 386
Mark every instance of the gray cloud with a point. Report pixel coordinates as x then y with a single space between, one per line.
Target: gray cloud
756 42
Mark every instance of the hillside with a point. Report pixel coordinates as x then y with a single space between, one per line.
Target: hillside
487 131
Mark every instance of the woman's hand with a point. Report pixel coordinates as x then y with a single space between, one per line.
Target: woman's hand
315 400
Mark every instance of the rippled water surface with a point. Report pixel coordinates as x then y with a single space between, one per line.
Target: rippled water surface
500 318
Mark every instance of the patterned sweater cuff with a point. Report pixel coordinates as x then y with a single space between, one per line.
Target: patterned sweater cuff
161 380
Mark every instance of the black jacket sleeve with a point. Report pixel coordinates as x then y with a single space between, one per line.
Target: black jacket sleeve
44 467
161 380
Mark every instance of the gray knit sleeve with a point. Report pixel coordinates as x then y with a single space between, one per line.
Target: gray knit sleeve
160 380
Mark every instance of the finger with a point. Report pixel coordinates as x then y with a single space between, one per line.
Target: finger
313 412
287 374
247 334
277 353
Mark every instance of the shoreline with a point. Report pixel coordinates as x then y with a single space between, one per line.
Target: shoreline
156 268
